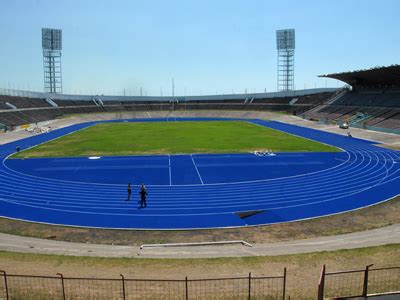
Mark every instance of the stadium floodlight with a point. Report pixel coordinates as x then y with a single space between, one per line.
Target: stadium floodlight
285 44
52 46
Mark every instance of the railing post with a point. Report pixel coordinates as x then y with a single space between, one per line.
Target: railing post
321 284
186 289
249 286
62 284
365 286
284 283
123 286
5 283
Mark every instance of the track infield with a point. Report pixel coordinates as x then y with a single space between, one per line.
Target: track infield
143 138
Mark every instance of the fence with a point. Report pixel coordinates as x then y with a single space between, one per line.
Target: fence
60 287
358 283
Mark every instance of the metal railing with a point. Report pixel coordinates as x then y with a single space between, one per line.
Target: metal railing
358 283
59 287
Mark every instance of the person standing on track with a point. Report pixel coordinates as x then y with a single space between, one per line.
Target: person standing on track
129 191
143 195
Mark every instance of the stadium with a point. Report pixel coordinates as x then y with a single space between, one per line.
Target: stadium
291 194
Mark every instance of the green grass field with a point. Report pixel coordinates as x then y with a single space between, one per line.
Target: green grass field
109 139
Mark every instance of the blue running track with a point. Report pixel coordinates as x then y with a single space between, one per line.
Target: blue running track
199 190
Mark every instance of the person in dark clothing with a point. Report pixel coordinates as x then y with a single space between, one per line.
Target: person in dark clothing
129 192
143 194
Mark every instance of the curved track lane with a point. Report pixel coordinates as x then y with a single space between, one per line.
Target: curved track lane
368 175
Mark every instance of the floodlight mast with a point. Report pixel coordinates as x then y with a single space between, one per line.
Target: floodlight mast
285 44
52 46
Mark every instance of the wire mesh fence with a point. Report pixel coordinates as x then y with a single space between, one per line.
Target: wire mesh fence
30 287
59 287
344 284
384 280
359 283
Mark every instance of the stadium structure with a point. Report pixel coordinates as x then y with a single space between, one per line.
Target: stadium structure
371 101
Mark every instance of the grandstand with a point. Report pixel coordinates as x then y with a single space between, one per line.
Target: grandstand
372 103
35 107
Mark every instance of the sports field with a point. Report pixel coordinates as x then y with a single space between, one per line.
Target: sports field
111 139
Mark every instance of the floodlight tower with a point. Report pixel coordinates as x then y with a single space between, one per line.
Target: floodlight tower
285 44
52 45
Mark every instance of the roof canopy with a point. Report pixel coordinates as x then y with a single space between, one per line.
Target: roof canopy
379 77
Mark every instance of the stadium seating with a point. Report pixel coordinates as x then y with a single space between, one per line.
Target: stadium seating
381 108
22 102
34 110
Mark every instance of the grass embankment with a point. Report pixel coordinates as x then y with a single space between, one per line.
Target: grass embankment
303 269
110 139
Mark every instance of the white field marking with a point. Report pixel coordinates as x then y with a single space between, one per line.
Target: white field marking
222 212
347 173
198 214
363 157
392 165
377 183
197 170
202 228
222 208
269 192
267 163
169 165
347 181
339 159
127 167
384 178
328 178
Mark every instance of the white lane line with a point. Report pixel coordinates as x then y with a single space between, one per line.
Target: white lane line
339 159
169 165
198 173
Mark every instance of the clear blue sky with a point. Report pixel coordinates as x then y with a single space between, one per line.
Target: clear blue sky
208 46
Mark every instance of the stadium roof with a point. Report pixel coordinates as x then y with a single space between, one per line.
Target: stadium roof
373 78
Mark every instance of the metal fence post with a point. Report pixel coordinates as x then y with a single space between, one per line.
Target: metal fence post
5 283
62 284
365 286
249 286
123 286
284 283
321 284
186 289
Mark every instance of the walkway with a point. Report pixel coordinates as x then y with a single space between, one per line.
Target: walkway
376 237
